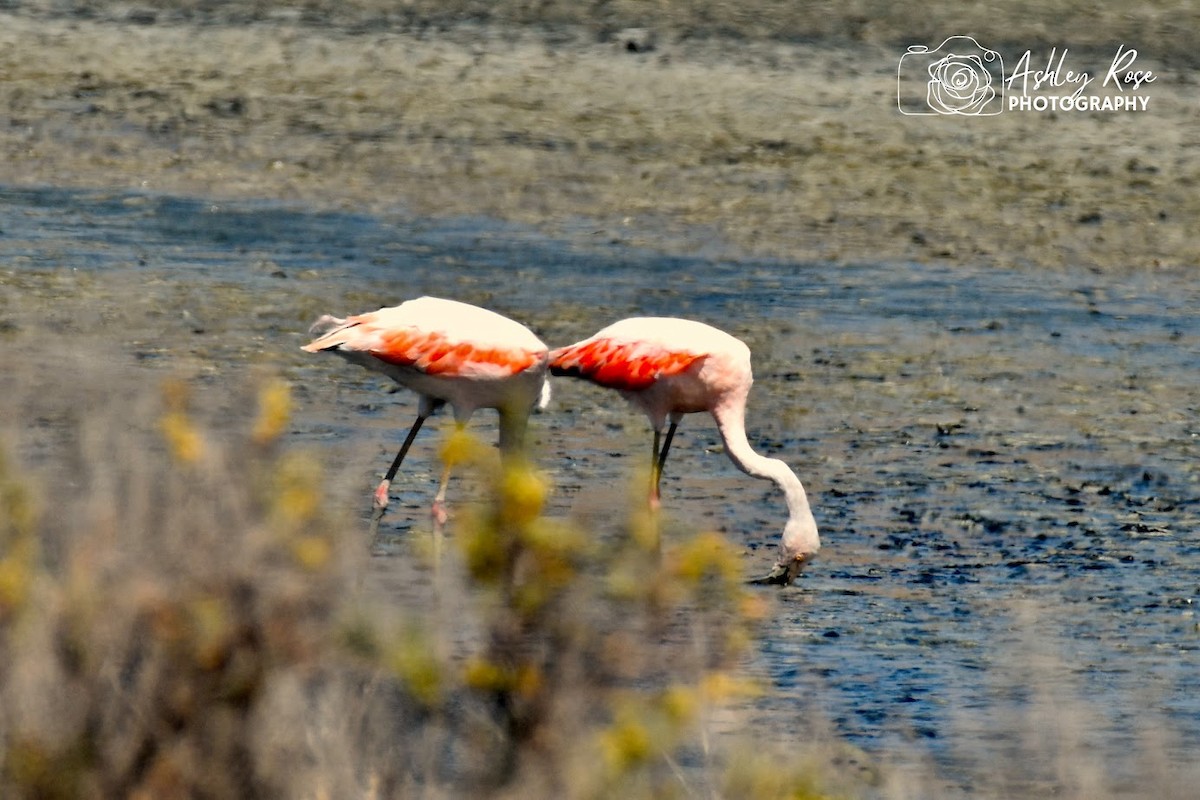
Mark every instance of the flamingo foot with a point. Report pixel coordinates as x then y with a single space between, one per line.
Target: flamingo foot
440 514
381 494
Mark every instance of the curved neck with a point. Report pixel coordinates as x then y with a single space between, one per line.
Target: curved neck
800 534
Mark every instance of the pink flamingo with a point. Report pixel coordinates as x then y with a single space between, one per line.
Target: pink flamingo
446 352
669 367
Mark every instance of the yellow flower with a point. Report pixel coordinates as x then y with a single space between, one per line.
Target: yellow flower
312 552
719 686
522 494
183 439
414 661
706 554
626 744
297 496
460 447
274 411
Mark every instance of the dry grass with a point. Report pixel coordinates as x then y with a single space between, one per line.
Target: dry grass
1168 25
744 144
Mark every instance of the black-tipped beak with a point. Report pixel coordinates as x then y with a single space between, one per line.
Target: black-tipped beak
783 573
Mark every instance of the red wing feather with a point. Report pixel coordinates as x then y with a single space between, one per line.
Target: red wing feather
628 366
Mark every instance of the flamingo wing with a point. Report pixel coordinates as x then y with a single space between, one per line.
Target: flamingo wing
432 352
621 364
436 353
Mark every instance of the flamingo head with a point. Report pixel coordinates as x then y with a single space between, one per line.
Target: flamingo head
799 546
785 571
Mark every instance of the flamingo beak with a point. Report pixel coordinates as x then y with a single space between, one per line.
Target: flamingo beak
783 573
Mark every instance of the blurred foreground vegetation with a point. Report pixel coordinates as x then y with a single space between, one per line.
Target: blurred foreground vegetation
182 615
188 609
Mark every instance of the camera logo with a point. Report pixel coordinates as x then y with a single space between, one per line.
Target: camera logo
958 77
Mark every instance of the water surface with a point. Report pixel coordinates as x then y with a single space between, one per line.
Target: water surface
1003 464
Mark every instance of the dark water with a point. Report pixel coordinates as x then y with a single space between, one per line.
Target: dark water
1003 464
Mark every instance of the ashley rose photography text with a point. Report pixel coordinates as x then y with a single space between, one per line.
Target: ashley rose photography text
961 77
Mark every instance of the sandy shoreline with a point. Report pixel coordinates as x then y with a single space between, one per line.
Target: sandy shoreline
794 151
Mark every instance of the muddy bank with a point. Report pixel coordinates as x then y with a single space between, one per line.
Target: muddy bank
719 146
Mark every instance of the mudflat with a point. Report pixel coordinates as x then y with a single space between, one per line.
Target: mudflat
717 144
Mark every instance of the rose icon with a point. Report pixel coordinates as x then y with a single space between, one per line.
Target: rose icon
959 77
959 85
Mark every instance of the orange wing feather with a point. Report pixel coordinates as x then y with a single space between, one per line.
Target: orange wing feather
628 366
431 352
435 354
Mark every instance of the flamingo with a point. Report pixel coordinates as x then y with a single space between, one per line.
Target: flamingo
669 367
446 352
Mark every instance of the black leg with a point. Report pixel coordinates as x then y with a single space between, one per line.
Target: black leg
662 456
658 460
381 492
408 440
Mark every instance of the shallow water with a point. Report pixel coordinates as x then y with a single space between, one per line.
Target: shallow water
1003 464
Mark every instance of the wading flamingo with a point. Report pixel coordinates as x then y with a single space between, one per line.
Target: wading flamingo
446 352
669 367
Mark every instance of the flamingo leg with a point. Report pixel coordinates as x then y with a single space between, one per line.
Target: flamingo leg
660 462
654 499
440 516
381 492
662 457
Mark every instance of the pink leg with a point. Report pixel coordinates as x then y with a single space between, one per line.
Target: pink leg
440 516
439 500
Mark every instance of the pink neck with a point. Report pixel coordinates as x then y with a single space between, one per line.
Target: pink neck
800 534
